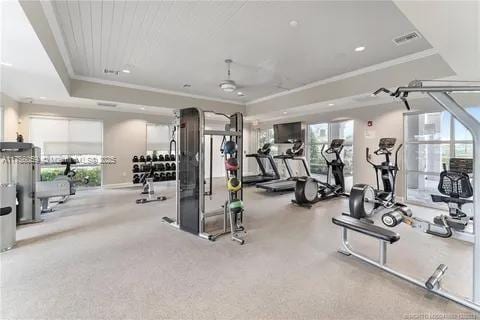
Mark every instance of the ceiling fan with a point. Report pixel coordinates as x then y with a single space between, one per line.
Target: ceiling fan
229 85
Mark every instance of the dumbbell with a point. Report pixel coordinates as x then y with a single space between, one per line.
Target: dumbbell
172 157
173 166
162 176
154 158
136 178
135 168
168 176
135 159
161 157
167 157
167 166
156 176
142 159
147 167
174 175
148 158
161 167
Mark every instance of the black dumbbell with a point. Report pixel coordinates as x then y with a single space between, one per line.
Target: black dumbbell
167 166
161 157
135 168
142 159
148 158
173 166
147 167
136 178
156 176
174 175
161 167
162 176
135 159
168 176
167 157
172 157
154 158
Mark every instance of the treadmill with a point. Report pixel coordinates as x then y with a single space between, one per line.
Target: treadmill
285 185
264 176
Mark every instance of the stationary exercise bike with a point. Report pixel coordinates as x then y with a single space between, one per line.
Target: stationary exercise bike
309 190
456 189
69 175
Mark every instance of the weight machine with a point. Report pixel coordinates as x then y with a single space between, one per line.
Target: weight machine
190 175
442 94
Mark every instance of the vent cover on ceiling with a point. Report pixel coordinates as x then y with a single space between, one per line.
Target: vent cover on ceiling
110 71
106 104
406 38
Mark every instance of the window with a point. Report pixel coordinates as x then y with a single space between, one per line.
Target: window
60 138
158 138
266 136
431 140
321 134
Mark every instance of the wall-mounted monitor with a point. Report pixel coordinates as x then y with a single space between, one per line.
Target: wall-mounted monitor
287 132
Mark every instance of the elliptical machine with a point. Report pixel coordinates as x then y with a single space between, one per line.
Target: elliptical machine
364 197
309 190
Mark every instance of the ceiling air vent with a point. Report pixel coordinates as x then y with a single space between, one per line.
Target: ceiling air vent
406 38
106 104
110 71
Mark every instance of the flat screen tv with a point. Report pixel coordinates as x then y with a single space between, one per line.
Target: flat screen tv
287 132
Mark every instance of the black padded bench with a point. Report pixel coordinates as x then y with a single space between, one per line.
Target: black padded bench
366 228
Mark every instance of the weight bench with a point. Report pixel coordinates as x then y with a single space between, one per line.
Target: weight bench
385 236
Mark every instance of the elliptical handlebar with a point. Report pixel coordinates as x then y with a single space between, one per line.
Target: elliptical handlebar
331 150
367 156
396 155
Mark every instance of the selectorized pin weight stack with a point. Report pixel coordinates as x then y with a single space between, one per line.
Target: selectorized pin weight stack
191 178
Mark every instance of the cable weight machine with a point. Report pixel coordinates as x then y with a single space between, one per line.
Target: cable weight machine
191 215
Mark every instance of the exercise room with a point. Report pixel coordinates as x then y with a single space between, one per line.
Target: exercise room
239 159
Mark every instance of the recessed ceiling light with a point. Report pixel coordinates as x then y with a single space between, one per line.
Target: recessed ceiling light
126 71
359 49
240 94
142 108
6 64
43 98
293 23
331 104
284 112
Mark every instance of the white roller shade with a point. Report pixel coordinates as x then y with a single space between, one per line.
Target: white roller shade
158 137
66 136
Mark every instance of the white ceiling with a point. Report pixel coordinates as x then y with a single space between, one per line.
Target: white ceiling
26 70
168 44
28 75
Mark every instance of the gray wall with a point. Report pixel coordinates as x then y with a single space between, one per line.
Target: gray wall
124 134
11 112
387 122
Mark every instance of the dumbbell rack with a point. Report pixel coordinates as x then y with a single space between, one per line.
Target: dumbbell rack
162 173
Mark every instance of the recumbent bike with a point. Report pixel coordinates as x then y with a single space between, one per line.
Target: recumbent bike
309 190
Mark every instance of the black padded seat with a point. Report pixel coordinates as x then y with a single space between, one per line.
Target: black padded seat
366 228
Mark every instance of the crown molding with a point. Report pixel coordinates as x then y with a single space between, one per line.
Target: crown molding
379 66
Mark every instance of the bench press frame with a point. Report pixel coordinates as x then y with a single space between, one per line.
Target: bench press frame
441 95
